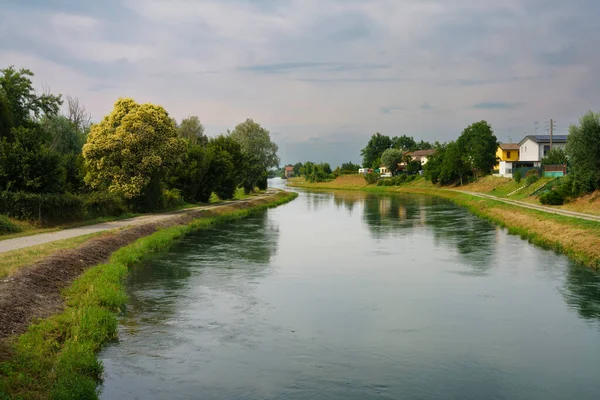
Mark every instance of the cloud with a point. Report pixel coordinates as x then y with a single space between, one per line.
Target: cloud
391 109
326 69
497 105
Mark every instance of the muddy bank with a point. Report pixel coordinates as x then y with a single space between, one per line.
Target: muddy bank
35 291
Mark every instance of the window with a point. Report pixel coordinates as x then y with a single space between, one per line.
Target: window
546 150
508 154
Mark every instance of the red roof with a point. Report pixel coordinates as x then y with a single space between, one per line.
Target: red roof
289 168
422 153
509 146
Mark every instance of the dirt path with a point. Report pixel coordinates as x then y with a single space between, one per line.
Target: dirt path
523 204
34 240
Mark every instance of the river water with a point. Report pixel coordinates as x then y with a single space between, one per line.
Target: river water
357 296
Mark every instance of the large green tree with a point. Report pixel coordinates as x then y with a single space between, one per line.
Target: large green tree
192 130
23 101
391 158
583 150
131 150
226 165
478 146
371 154
406 143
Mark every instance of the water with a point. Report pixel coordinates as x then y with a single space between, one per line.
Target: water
358 296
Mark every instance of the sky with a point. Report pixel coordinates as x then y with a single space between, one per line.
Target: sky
321 75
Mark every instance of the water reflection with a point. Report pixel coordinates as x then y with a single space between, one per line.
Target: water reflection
582 291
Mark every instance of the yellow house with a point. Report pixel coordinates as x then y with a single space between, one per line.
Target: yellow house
507 153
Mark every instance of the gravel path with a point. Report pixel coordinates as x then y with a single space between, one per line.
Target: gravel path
523 204
42 238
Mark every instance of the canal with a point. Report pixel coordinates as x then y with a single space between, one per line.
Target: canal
349 295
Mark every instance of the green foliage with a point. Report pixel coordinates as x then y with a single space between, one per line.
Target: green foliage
297 168
478 145
555 156
51 207
372 153
518 176
173 198
132 149
372 177
7 226
348 168
413 166
391 158
404 143
532 177
6 120
225 166
583 149
256 141
316 172
552 197
104 204
22 100
28 164
192 130
191 175
63 135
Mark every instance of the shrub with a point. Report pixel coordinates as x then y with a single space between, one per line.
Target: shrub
47 207
372 177
532 177
553 198
103 204
173 198
411 178
7 226
517 176
385 182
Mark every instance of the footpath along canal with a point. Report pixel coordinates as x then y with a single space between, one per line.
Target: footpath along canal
351 295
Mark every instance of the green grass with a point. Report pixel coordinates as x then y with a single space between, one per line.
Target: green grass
13 260
56 357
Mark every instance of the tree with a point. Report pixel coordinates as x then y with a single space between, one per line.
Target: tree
391 158
406 143
371 154
256 140
78 115
297 168
478 146
453 166
422 145
192 130
191 175
63 134
6 120
226 166
555 156
27 164
583 150
131 150
23 101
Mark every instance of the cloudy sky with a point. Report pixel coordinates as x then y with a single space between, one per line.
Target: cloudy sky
321 75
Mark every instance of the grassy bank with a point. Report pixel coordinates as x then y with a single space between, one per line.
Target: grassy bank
56 358
575 237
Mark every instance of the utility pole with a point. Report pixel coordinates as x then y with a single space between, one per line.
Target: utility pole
551 131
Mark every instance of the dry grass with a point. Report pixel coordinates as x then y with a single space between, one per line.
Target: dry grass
589 204
13 260
486 184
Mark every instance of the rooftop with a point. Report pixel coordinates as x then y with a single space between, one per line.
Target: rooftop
546 138
422 153
509 146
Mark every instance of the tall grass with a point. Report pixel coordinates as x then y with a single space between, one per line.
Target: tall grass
56 357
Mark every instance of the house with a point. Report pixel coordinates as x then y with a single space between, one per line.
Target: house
421 155
363 171
385 172
507 154
289 171
535 147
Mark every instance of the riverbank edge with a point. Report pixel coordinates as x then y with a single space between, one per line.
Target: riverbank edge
587 231
57 356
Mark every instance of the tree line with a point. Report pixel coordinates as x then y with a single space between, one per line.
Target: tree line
137 154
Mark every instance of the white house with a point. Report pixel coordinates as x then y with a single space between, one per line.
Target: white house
421 155
535 147
385 172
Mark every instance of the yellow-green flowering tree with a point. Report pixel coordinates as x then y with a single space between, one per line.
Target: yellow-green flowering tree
131 150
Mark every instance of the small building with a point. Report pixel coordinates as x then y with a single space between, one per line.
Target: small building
421 156
384 172
289 171
535 147
507 154
363 171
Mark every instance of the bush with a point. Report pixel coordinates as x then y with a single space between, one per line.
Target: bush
173 198
532 177
47 207
7 226
385 182
517 176
102 204
372 177
553 198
